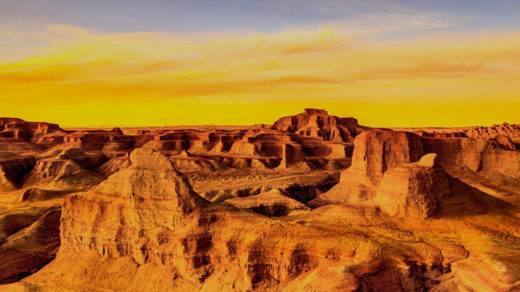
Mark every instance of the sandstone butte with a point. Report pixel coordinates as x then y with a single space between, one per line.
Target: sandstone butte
311 203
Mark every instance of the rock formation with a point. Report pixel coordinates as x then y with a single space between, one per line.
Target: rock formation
318 123
272 203
147 220
415 189
62 174
482 161
29 243
262 208
12 171
478 132
114 165
375 152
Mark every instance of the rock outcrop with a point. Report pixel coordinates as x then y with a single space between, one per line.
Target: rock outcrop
61 174
477 132
19 129
318 123
12 171
271 203
494 131
375 152
27 250
415 189
378 151
144 228
114 165
146 220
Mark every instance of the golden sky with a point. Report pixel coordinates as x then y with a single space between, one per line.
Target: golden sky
87 77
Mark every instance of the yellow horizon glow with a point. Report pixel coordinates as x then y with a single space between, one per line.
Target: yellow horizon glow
155 79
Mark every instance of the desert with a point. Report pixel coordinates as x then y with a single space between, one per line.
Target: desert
313 202
259 146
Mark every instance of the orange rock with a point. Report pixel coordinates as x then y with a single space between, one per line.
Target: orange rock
12 171
375 151
398 220
318 123
272 203
414 190
114 165
31 248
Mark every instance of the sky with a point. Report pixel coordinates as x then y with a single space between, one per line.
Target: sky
151 63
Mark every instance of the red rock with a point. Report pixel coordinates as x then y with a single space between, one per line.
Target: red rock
317 123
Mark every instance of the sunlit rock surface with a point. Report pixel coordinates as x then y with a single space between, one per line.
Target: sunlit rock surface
312 203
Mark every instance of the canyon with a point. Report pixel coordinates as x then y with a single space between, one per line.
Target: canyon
313 202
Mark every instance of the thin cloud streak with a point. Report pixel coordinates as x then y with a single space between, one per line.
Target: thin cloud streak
102 71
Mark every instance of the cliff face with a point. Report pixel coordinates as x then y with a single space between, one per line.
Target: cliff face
377 151
12 171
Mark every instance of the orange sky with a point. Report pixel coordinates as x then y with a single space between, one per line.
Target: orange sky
83 77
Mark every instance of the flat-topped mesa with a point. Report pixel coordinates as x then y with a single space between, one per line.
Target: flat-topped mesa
478 132
313 111
318 123
108 141
15 128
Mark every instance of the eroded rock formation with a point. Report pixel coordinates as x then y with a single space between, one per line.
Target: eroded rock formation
251 208
147 219
318 123
414 189
375 152
271 203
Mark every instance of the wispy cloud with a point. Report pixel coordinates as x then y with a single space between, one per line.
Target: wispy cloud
103 71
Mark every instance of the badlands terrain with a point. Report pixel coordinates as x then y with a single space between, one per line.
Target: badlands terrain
312 202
